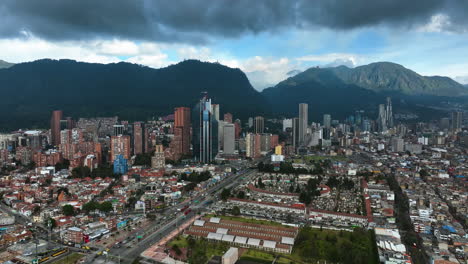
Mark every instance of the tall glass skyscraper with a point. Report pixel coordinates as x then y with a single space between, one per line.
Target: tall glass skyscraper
205 128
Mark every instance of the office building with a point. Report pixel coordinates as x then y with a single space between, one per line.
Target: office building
382 119
229 143
205 131
295 132
158 160
327 121
215 111
457 121
259 125
55 127
303 122
389 113
287 123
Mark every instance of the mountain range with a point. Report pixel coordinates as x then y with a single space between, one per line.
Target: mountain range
134 92
4 64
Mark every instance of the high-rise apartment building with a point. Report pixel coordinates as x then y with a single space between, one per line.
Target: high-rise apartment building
182 121
238 127
120 145
253 145
303 122
138 138
118 130
259 125
55 127
158 160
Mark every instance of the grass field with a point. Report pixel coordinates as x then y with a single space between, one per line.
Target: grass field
261 257
70 259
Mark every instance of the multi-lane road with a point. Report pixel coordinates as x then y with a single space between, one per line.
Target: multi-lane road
127 254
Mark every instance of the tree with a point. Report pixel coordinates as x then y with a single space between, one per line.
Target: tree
106 207
68 210
225 194
304 197
90 206
65 164
235 210
51 223
241 195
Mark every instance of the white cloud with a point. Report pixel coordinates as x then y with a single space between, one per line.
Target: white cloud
439 23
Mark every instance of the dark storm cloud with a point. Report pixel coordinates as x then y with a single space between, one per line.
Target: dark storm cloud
200 20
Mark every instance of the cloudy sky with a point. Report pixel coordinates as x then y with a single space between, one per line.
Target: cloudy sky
265 38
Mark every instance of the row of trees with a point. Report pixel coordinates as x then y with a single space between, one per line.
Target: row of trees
104 207
196 177
286 167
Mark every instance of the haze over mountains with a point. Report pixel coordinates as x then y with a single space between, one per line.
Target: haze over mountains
135 92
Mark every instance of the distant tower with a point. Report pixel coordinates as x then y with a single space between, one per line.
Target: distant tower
303 122
55 127
138 138
389 113
381 119
295 132
327 120
182 122
457 121
259 125
215 111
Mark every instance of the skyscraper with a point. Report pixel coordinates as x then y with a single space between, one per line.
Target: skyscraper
205 131
303 122
229 138
238 127
215 111
55 127
327 120
295 132
382 119
259 125
118 130
182 121
138 137
389 113
457 121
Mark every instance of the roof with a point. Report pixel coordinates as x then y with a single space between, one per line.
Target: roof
269 244
231 252
215 236
215 220
223 231
287 240
240 239
199 223
253 242
228 238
